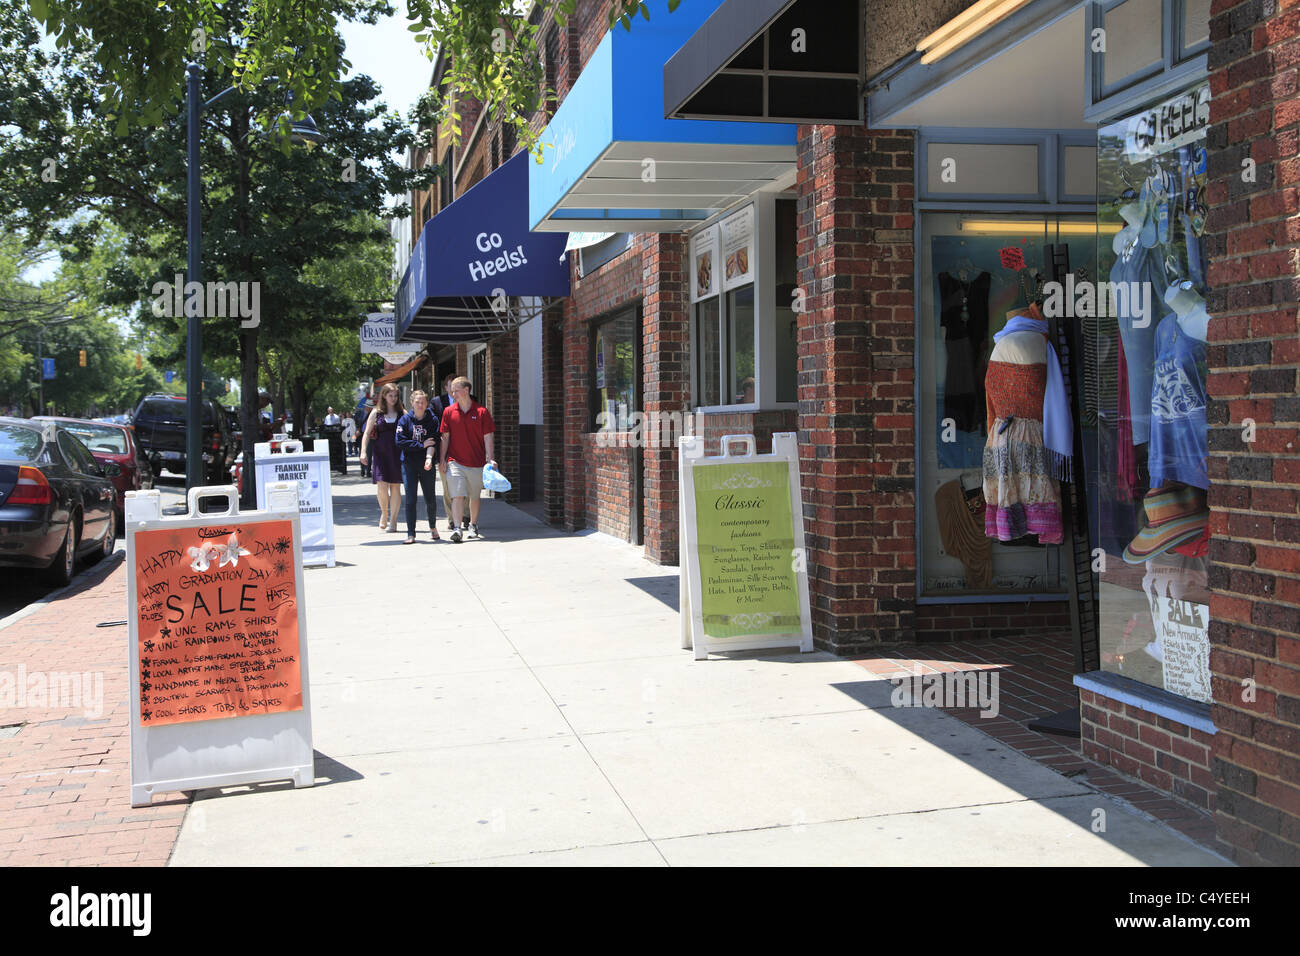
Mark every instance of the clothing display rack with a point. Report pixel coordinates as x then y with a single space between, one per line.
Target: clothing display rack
1076 548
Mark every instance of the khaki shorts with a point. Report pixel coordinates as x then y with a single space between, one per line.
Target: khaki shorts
463 482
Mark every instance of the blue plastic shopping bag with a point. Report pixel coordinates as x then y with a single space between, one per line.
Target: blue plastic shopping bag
493 480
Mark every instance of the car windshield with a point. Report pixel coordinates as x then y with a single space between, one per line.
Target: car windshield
19 443
110 440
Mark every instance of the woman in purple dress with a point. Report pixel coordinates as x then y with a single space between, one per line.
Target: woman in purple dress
380 441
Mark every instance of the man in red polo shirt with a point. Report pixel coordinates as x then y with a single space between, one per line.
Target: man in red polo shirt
466 447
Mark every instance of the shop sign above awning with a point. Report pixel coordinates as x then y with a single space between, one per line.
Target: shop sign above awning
476 271
613 162
776 61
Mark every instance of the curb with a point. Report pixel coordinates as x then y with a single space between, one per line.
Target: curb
89 576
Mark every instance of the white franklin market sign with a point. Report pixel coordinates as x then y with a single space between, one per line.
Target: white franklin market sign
309 471
379 337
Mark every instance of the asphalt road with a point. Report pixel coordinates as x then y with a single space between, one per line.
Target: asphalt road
20 588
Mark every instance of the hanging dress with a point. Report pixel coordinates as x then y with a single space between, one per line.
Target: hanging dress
964 316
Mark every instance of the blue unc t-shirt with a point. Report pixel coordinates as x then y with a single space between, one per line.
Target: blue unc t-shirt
1178 429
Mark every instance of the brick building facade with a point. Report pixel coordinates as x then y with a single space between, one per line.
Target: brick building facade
860 195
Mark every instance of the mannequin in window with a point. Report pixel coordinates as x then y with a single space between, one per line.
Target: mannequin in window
1178 448
1030 440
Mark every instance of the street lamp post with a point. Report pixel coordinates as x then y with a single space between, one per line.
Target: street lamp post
301 131
193 322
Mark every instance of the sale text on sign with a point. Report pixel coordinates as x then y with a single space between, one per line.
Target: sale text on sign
218 622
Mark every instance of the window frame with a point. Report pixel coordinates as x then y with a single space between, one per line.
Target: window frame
763 283
1177 68
635 311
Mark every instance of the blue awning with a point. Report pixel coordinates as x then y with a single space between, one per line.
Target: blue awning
476 271
614 163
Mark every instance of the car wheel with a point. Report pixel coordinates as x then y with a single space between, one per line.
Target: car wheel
64 564
110 539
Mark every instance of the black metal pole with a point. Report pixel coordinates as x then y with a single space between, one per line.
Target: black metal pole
194 322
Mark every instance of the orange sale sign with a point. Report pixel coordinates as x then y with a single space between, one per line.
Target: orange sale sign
218 622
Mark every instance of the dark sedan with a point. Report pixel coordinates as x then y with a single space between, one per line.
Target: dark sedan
112 444
56 501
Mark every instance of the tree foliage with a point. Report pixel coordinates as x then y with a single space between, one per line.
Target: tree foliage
267 214
493 56
140 47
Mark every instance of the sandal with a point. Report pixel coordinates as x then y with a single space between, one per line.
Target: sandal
434 535
383 522
410 540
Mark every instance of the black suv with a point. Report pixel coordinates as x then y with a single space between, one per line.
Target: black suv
160 429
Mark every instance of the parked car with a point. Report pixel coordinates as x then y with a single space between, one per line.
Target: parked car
112 444
159 424
235 420
56 501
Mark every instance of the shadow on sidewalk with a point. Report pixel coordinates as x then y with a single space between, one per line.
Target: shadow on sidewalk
328 772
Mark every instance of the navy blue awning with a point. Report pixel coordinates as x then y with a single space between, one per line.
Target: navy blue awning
476 271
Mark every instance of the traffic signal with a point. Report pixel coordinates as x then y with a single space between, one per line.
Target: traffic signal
139 362
82 363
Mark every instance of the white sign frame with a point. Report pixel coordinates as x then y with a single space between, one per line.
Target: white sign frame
224 751
735 233
690 455
320 526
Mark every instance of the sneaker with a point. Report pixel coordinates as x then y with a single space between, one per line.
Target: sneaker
455 537
451 525
473 529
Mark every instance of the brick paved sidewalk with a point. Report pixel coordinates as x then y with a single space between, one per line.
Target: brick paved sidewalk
65 774
1035 680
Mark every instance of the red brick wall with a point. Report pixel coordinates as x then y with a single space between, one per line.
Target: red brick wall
666 381
856 424
503 402
1253 243
609 482
759 424
1158 751
944 622
553 415
615 285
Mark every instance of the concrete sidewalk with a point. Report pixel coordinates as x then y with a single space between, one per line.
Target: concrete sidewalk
539 711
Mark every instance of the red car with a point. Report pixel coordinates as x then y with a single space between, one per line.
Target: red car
113 444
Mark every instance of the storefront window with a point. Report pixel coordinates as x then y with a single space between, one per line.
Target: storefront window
998 538
742 342
740 313
1152 483
708 349
615 370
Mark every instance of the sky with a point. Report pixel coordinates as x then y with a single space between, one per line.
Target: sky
387 53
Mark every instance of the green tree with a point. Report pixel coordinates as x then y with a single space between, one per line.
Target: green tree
267 213
140 48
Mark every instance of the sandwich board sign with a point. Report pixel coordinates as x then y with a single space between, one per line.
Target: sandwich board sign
744 580
286 460
218 644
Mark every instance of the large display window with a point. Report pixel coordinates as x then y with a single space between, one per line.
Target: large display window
1150 395
973 277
